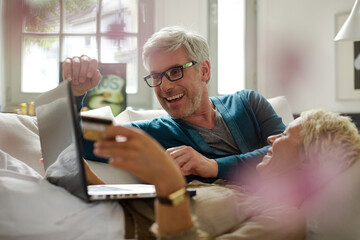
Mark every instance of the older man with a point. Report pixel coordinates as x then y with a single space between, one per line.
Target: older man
312 150
208 138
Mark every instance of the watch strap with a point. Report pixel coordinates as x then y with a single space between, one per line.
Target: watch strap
174 198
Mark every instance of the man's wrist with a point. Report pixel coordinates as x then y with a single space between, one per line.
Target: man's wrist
213 169
79 101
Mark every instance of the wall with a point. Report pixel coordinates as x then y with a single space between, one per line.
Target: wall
296 53
190 14
193 15
2 70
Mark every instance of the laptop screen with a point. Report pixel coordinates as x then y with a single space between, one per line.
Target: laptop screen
59 132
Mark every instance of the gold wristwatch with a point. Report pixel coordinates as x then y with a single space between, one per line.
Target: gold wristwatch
174 198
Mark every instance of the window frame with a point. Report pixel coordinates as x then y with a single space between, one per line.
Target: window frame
15 37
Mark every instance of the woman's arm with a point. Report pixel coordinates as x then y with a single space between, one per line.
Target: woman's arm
91 177
133 150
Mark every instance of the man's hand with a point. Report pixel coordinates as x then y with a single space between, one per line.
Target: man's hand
192 162
83 72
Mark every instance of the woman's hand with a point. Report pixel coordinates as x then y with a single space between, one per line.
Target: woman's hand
132 150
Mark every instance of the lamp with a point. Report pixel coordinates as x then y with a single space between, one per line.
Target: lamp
351 28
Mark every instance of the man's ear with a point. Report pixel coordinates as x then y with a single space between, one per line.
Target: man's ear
205 70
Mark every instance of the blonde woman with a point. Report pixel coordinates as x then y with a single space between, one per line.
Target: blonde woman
312 150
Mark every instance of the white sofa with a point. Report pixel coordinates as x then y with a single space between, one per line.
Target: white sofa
337 202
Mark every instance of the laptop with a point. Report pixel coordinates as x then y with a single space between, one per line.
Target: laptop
61 146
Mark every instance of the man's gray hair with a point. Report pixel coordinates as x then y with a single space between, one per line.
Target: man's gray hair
170 39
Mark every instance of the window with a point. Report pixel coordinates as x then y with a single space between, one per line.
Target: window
231 44
232 40
50 31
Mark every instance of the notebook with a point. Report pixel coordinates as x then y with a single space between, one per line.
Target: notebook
60 139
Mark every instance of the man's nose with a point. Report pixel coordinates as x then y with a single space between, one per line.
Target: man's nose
166 84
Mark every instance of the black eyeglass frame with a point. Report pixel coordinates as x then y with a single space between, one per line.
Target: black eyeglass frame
186 65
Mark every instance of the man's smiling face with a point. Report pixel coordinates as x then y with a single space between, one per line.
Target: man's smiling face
180 98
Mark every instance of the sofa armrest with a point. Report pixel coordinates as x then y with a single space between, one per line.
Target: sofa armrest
282 108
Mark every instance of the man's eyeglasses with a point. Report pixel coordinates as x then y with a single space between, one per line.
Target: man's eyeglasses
172 74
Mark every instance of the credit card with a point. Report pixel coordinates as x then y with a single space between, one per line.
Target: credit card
93 128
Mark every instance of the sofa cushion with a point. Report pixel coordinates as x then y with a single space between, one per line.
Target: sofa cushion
103 112
19 138
280 105
282 108
130 115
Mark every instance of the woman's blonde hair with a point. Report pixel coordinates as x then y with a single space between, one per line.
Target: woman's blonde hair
330 139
